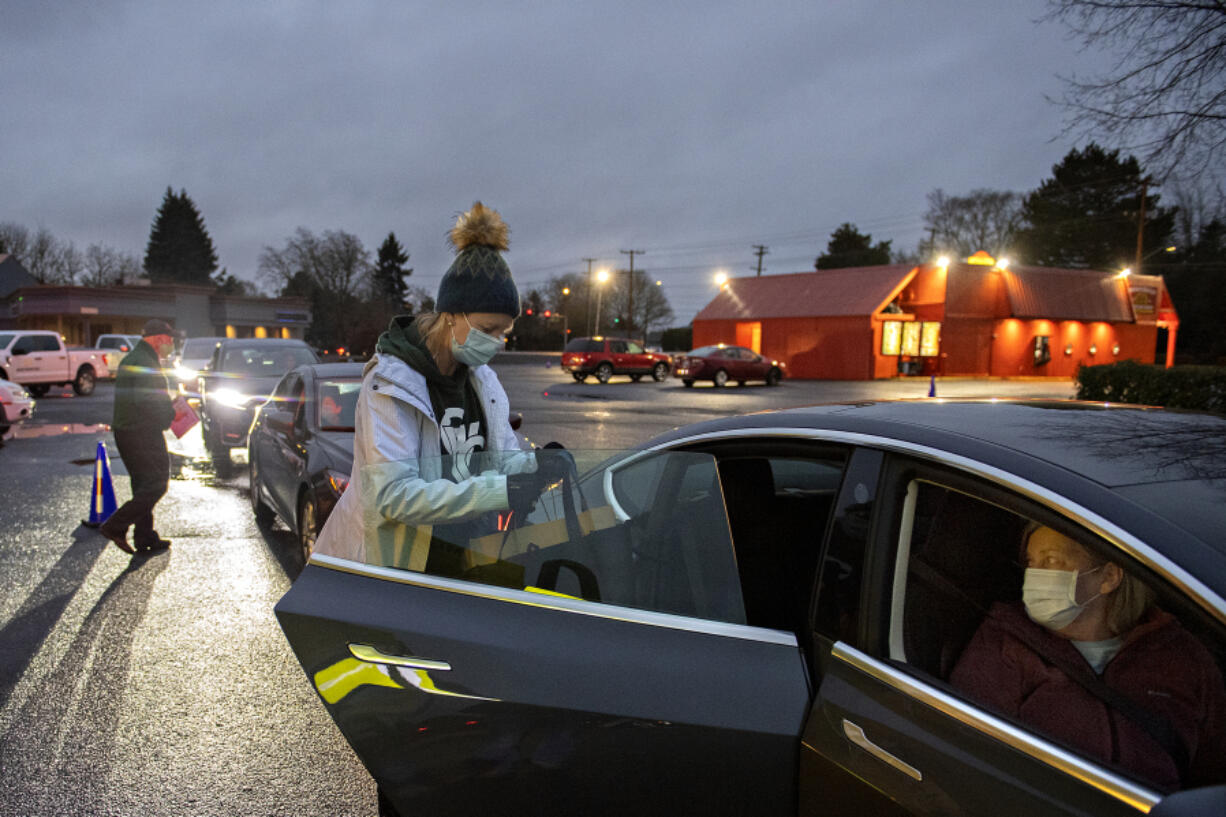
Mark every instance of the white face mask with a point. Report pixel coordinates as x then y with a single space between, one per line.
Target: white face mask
1050 596
477 349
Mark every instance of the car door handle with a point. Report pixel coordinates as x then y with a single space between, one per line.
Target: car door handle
365 652
856 735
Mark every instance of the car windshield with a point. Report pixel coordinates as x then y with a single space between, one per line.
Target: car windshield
646 530
5 340
337 400
265 361
198 347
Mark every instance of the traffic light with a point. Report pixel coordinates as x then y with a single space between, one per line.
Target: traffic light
528 311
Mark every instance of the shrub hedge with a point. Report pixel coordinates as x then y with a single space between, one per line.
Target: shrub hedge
1201 388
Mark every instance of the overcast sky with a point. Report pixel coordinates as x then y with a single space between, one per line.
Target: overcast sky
689 130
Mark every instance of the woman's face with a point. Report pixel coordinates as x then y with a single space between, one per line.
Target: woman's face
1049 549
491 323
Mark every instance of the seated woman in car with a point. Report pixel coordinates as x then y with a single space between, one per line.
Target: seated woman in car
1086 614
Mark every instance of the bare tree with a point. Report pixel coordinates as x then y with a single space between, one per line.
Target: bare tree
105 266
651 307
14 240
1166 97
981 220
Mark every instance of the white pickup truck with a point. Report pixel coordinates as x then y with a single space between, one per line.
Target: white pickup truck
39 360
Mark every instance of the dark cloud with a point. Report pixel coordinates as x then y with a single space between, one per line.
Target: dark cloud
691 130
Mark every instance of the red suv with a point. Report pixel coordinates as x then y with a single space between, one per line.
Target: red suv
605 357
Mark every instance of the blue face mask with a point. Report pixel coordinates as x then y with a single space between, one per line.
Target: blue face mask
477 349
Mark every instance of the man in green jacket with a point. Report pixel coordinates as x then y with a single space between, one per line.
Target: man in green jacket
143 410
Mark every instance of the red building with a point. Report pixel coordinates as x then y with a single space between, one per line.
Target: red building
974 318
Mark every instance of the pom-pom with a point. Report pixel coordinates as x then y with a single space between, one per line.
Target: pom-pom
480 227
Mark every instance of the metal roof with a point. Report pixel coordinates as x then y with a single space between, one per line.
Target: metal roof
1067 294
825 293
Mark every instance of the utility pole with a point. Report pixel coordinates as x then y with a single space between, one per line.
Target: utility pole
589 295
760 250
632 253
1136 267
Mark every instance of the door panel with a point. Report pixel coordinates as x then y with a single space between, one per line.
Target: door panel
964 769
549 708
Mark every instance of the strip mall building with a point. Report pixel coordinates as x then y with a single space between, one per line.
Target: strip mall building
972 318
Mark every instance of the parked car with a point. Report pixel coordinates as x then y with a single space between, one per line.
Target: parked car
721 363
605 357
300 450
16 405
759 615
114 348
240 374
39 360
191 358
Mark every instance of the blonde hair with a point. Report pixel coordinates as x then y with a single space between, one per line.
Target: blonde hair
435 333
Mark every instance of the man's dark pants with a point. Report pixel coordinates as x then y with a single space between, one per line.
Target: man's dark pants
144 455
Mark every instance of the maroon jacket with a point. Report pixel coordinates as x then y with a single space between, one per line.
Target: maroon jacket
1160 666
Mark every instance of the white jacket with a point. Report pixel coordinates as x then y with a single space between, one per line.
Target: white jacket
397 490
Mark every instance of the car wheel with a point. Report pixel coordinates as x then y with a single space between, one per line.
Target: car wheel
659 372
636 377
84 384
773 377
721 378
579 378
263 514
688 383
603 372
38 389
219 455
307 521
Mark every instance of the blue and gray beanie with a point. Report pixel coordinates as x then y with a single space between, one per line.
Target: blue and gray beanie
479 280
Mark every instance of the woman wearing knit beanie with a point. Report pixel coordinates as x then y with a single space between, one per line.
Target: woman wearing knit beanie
433 443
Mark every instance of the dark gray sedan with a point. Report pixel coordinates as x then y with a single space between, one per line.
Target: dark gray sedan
831 610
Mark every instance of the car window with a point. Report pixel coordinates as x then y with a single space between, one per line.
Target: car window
46 343
617 346
198 347
337 401
5 340
264 361
665 549
633 348
25 343
1045 623
108 343
585 345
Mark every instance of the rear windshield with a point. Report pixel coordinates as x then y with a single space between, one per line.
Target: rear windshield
585 345
703 351
198 347
265 361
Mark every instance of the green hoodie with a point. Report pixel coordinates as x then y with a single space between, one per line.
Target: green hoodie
456 407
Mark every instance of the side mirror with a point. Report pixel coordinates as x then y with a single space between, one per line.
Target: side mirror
517 420
280 421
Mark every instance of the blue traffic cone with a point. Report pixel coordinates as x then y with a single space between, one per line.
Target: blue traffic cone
932 386
102 499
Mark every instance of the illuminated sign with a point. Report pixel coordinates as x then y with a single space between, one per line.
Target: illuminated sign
911 338
891 337
930 339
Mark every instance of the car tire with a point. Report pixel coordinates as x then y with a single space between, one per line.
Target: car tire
603 372
688 383
308 515
773 377
720 379
579 378
38 389
264 515
659 372
219 455
636 377
85 381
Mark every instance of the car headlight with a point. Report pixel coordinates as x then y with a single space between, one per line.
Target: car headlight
185 374
231 398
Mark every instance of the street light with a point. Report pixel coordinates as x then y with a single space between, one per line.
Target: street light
721 279
601 277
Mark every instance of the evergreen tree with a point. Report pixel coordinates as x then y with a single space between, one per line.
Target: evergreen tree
1085 216
389 273
180 249
848 247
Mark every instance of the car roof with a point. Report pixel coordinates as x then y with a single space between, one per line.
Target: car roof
1132 464
323 370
